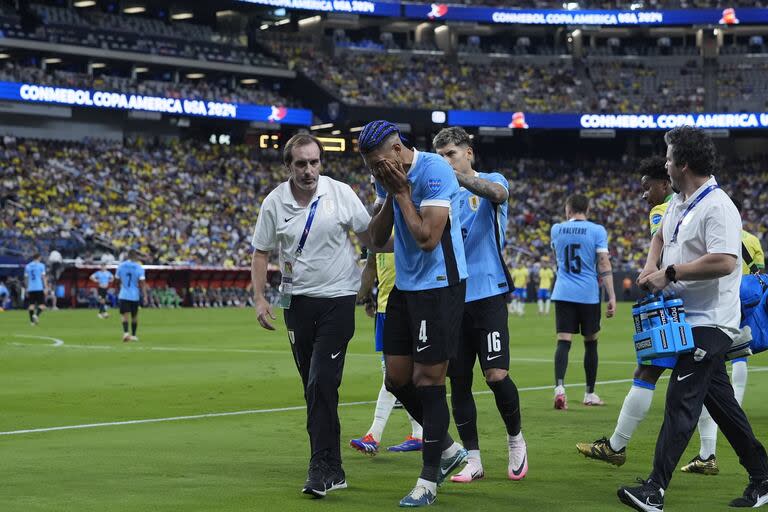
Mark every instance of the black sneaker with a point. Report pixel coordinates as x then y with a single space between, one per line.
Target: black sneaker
647 497
315 484
335 479
755 495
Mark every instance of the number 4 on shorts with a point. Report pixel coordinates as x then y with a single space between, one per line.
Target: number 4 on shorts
423 331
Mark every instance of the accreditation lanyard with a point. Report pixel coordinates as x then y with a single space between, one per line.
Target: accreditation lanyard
286 282
288 270
691 207
307 226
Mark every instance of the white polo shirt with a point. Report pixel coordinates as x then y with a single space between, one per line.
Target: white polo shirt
327 266
713 226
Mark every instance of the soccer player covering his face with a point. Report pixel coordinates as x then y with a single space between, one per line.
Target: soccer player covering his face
484 329
425 307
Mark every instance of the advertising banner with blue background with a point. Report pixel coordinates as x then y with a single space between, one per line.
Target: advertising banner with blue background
449 12
34 93
524 120
343 6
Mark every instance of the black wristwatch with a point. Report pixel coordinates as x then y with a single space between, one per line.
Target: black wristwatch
671 274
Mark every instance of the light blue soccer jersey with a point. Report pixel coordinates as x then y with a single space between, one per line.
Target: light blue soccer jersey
433 183
35 270
103 277
483 226
576 243
130 273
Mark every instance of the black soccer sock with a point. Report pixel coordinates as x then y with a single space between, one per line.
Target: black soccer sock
590 364
561 361
38 311
31 315
134 326
464 411
409 397
125 327
436 419
508 403
102 308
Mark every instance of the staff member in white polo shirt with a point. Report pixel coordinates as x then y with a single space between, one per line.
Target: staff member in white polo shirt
308 219
699 243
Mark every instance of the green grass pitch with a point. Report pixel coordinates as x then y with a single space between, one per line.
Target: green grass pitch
196 362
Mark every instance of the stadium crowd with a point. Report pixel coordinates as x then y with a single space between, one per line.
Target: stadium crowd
531 85
91 28
191 203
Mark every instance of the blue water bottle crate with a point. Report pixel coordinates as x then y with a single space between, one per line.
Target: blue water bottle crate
660 328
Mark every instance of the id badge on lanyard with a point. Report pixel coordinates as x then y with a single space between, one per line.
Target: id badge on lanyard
286 281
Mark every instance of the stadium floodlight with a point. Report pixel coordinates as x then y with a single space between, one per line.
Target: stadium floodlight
134 8
52 60
336 132
98 65
249 81
5 55
310 21
182 14
228 12
356 129
333 144
84 3
321 126
283 21
264 26
195 76
140 69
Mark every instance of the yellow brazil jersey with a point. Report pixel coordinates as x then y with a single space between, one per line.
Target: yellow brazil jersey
752 243
657 213
520 277
385 274
546 275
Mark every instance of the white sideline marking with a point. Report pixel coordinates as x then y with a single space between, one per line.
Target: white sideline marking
56 342
137 348
286 409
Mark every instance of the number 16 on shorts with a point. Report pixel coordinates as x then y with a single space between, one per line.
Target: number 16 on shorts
494 341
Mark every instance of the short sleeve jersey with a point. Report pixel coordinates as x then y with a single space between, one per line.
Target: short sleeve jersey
35 272
483 227
655 216
520 277
433 183
130 273
576 244
327 266
755 250
103 277
546 276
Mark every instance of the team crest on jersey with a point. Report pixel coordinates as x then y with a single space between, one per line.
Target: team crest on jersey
434 184
656 218
474 203
329 205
